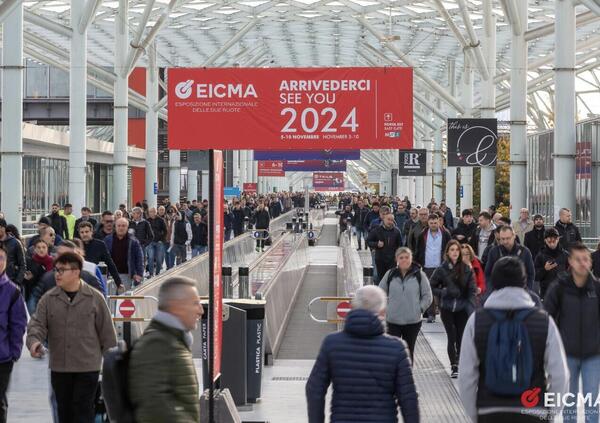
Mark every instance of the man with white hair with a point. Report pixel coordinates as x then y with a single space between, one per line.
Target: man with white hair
362 356
523 225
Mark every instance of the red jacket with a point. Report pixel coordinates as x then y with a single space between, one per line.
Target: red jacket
479 274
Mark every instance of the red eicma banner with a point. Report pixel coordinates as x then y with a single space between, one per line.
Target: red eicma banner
270 168
290 108
250 188
329 181
217 222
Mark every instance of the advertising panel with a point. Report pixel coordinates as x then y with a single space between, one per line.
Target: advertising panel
250 188
270 168
290 108
472 142
412 163
328 181
307 155
314 165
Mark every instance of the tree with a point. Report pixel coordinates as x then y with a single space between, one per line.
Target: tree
503 171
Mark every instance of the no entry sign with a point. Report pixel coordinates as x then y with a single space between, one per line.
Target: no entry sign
127 308
290 109
343 309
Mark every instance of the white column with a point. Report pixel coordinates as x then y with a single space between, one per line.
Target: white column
174 176
243 167
466 173
450 194
419 182
121 101
254 166
488 99
236 168
11 147
192 185
565 107
205 184
518 114
428 145
151 126
412 188
77 109
438 193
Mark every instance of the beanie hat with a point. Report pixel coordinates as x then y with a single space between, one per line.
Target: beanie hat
508 271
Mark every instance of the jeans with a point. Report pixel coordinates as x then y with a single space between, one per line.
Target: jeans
199 249
408 333
155 251
75 396
169 260
360 235
5 371
126 281
375 274
431 311
228 233
589 370
179 253
454 324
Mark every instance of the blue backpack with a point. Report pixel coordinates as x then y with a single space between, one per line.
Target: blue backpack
509 356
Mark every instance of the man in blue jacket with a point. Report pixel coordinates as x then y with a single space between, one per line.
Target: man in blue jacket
509 247
371 372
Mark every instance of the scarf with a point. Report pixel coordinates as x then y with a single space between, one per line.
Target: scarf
45 261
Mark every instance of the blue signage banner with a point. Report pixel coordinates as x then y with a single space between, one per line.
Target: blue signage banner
314 165
231 191
307 155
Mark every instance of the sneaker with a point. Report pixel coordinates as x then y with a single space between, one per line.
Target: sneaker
258 249
454 371
431 320
358 249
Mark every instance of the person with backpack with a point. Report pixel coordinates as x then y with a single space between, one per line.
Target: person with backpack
511 354
385 240
507 246
409 295
574 302
454 284
162 380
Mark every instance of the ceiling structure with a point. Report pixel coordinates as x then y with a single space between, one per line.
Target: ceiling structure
319 33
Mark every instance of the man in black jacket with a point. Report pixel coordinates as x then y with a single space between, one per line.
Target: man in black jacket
85 217
96 251
574 302
484 235
385 240
58 222
534 239
569 233
106 226
346 218
507 246
238 219
141 228
549 262
15 257
155 251
466 228
358 221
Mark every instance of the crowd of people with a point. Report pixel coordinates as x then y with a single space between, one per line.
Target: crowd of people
54 291
519 302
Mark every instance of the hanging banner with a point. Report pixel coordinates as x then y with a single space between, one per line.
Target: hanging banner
250 188
290 108
330 181
314 165
412 163
307 155
472 142
215 251
270 168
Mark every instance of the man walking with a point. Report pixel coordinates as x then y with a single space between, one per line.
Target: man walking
417 230
370 372
58 222
569 233
155 251
484 235
523 225
465 230
127 254
74 320
169 392
550 262
509 247
385 240
96 251
534 239
358 221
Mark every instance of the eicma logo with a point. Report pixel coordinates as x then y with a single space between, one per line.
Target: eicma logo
531 397
183 90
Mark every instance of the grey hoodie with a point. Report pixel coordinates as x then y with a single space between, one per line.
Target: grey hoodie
406 299
555 361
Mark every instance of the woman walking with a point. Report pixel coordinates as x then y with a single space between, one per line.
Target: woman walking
454 284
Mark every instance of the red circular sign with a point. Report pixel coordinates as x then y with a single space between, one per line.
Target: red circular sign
127 308
343 309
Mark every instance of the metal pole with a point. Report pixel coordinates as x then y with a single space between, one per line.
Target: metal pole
121 102
236 168
419 180
438 193
175 176
192 185
466 173
565 107
151 127
204 184
11 147
518 115
450 193
243 167
488 100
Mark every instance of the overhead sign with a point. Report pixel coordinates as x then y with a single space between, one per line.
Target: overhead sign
374 176
314 165
307 155
290 108
412 163
329 181
231 192
250 188
270 168
472 142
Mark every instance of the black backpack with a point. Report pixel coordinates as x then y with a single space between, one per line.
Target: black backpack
115 384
